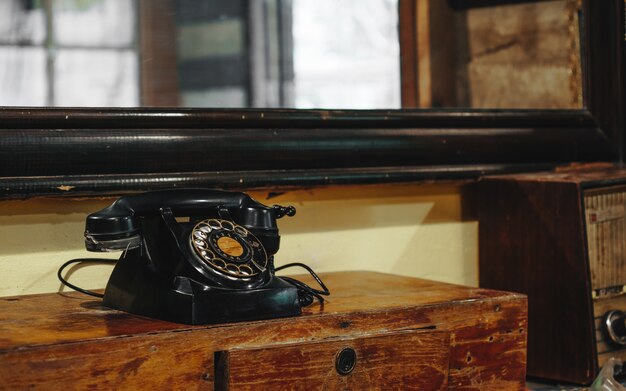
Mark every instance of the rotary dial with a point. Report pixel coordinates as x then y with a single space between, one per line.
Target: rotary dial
228 248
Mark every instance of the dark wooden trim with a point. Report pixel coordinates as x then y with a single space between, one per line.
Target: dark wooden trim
86 185
158 59
466 4
603 67
141 149
427 70
602 46
30 118
442 54
103 151
123 150
407 29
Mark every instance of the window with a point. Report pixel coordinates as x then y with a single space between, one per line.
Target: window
68 53
196 53
346 54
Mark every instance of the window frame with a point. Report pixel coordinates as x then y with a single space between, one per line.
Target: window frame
106 151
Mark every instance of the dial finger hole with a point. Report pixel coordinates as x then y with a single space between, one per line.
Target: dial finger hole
205 228
220 264
227 225
233 268
200 243
200 235
247 270
215 224
208 254
240 231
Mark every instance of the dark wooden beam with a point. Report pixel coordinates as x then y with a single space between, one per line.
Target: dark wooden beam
158 62
103 151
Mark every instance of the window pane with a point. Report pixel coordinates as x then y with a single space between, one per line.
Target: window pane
94 22
227 53
215 97
22 77
346 54
211 52
21 22
96 78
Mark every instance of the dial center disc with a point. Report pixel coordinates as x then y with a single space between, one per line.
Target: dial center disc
230 246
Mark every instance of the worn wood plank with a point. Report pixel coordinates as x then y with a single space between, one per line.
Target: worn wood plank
50 340
413 360
506 65
159 62
407 15
73 317
428 49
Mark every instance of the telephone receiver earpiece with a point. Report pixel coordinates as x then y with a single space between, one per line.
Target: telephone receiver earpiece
117 227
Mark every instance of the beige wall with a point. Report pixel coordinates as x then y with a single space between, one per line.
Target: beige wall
415 230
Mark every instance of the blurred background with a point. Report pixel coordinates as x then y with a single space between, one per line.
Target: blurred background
217 53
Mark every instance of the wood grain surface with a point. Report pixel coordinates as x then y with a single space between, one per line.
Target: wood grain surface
413 360
531 240
558 237
49 341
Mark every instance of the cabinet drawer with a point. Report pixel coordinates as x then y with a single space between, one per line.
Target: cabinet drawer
415 359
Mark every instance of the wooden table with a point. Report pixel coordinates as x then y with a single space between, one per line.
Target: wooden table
407 334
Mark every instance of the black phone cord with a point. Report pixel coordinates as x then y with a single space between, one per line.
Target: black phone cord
82 260
308 291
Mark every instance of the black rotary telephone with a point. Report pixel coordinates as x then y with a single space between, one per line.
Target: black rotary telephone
217 266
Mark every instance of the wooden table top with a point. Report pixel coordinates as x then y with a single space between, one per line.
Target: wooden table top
35 320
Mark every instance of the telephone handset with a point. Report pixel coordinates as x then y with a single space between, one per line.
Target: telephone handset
217 266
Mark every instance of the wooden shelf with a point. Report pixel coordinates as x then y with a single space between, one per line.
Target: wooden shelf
471 337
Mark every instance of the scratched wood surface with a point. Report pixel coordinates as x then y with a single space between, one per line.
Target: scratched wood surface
499 53
412 360
50 341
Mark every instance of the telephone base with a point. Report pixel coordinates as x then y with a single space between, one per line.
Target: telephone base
136 288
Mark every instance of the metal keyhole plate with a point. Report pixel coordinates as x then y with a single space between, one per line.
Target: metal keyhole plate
346 361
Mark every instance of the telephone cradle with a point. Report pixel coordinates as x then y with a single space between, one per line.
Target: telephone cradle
215 267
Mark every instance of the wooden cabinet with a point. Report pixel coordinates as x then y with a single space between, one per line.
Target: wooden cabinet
377 331
411 360
559 237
